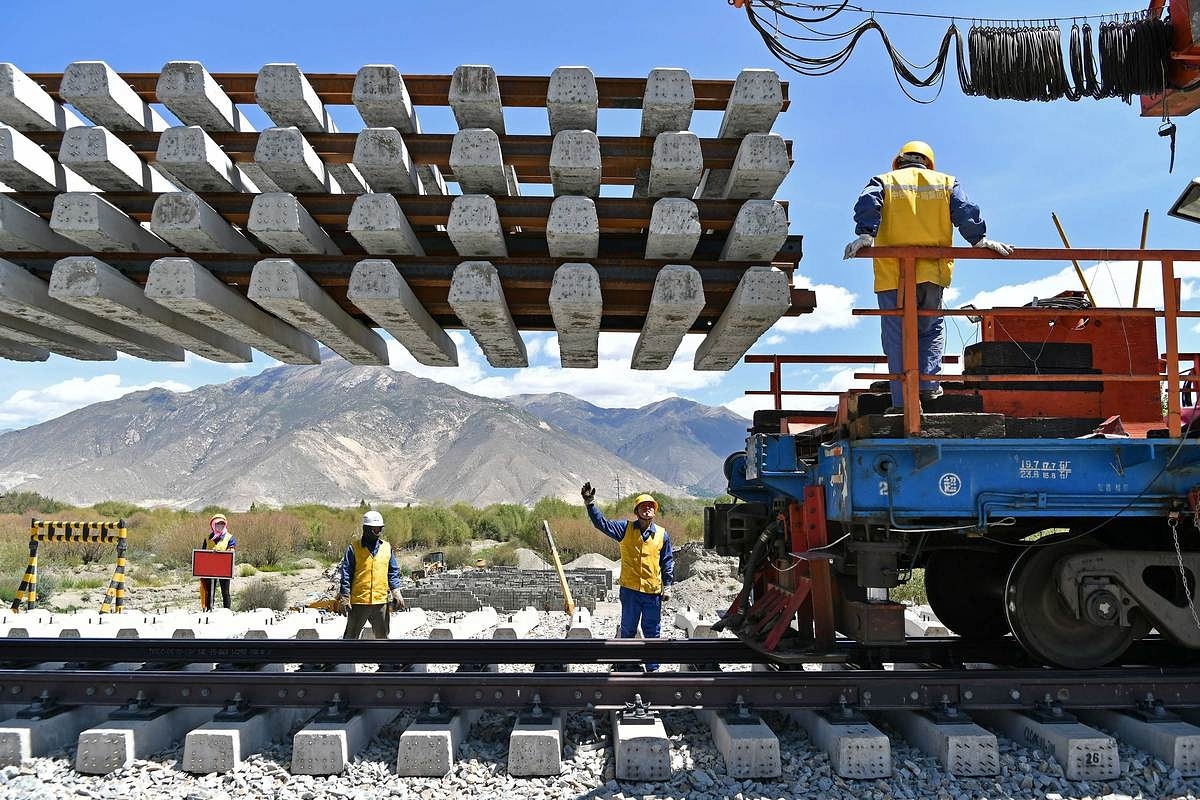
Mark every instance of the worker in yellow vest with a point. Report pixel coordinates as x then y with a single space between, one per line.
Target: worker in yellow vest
914 205
370 577
647 564
219 538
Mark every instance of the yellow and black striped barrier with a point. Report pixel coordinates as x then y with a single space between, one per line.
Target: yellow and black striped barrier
50 530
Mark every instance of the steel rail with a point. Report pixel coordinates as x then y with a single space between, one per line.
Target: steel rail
1017 689
430 90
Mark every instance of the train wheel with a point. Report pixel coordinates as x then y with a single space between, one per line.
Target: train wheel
965 589
1043 623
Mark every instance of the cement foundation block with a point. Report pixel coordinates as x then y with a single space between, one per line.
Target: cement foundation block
378 224
285 95
432 181
964 749
114 744
25 739
675 302
749 747
475 98
110 164
478 163
576 306
187 222
920 621
97 224
676 165
641 750
218 746
478 300
27 297
474 227
378 288
25 230
283 288
26 167
195 97
15 329
572 100
759 231
430 749
535 748
292 163
26 106
573 229
185 287
90 284
468 626
382 99
674 229
1176 744
518 625
98 91
192 158
382 157
580 626
668 102
855 751
326 748
1084 753
575 163
404 622
760 299
759 167
690 621
279 221
754 104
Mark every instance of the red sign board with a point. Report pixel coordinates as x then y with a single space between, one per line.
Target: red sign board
212 563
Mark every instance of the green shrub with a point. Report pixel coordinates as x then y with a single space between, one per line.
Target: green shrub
911 592
261 593
246 570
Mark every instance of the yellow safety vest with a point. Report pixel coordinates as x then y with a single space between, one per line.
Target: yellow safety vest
640 569
219 544
916 211
369 583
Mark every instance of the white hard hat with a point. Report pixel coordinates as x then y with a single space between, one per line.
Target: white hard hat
373 519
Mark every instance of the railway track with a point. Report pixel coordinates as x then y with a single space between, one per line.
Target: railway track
962 704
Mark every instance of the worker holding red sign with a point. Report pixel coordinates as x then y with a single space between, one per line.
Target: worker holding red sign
219 538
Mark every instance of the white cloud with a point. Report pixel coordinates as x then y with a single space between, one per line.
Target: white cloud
31 406
834 304
1111 282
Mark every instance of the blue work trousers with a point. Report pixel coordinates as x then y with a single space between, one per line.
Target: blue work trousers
647 608
931 337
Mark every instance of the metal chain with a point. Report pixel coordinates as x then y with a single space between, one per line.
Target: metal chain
1173 523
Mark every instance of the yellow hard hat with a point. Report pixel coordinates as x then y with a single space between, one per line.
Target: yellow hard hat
920 148
645 498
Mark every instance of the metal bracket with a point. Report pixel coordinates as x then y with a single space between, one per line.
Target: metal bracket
139 708
1152 710
236 710
843 714
638 712
43 707
435 713
598 740
537 714
946 713
334 711
740 714
1050 712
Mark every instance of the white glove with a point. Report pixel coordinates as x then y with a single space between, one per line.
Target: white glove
863 240
996 247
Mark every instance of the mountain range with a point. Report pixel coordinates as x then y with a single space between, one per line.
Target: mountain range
338 434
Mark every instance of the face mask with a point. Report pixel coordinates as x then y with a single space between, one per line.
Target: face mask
369 537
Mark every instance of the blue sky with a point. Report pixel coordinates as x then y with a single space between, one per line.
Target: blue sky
1098 164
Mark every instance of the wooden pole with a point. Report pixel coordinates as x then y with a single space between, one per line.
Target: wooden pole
1137 281
568 603
1078 270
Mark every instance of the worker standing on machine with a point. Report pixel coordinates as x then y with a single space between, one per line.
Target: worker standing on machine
914 205
370 574
647 564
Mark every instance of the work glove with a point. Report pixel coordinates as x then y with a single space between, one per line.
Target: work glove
863 240
398 601
996 247
343 604
587 493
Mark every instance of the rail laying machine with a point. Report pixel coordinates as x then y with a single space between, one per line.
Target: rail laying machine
1032 510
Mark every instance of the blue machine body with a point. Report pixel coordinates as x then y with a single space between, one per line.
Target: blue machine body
894 481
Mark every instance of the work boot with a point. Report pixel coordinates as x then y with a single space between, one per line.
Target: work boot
932 394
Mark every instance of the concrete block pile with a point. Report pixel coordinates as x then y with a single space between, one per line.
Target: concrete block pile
507 589
120 231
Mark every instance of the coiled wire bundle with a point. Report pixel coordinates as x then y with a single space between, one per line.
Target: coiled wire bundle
1003 61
